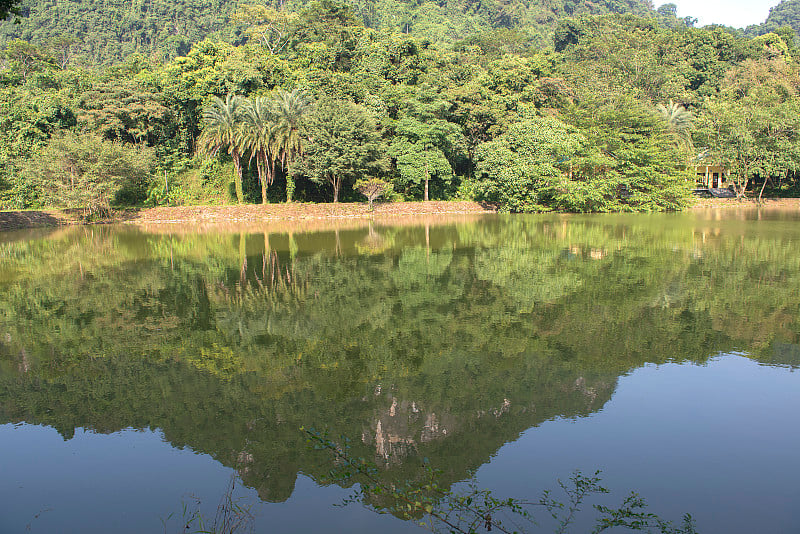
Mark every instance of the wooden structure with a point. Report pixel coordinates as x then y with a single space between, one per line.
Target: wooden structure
713 176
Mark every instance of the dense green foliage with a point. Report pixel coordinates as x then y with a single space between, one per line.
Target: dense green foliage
102 32
7 7
87 171
344 145
575 122
782 19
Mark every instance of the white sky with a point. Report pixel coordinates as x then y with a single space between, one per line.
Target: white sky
736 13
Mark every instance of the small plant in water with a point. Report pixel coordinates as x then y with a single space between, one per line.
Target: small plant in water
477 510
233 516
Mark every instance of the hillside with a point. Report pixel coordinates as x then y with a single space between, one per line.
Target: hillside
787 13
110 30
784 15
103 32
604 117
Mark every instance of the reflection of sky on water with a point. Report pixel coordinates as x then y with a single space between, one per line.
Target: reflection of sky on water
129 481
718 441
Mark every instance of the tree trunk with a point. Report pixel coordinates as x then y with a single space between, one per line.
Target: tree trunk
762 189
260 164
427 177
265 257
335 182
237 165
741 186
289 188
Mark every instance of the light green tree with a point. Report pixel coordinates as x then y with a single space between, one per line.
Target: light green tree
418 150
522 168
424 142
344 145
88 172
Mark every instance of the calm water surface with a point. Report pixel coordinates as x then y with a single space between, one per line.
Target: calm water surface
144 371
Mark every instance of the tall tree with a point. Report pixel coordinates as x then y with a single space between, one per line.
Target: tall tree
272 28
25 58
753 125
344 144
290 109
423 139
222 130
679 122
260 136
418 152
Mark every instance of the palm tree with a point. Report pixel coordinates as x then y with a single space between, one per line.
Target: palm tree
260 135
222 130
290 108
679 121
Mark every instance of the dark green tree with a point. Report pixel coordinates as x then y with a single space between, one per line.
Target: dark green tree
8 7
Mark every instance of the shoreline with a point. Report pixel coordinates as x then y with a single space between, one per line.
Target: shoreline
724 203
306 214
246 214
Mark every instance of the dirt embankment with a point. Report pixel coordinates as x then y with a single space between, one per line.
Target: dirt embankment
259 213
306 214
14 220
206 216
703 203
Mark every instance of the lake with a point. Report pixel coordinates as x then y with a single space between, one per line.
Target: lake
145 374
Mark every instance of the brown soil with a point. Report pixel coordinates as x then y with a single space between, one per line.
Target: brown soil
308 216
300 217
296 211
703 203
197 217
12 220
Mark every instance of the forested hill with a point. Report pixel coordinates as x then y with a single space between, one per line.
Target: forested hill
787 13
106 31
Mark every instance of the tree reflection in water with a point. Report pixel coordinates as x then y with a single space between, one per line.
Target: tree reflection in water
434 339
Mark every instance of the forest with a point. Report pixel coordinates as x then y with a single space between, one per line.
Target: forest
575 106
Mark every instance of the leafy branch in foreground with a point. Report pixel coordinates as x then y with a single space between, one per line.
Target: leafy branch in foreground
475 510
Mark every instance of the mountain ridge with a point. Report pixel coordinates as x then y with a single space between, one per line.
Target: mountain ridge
106 32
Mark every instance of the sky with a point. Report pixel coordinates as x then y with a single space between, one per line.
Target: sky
736 13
